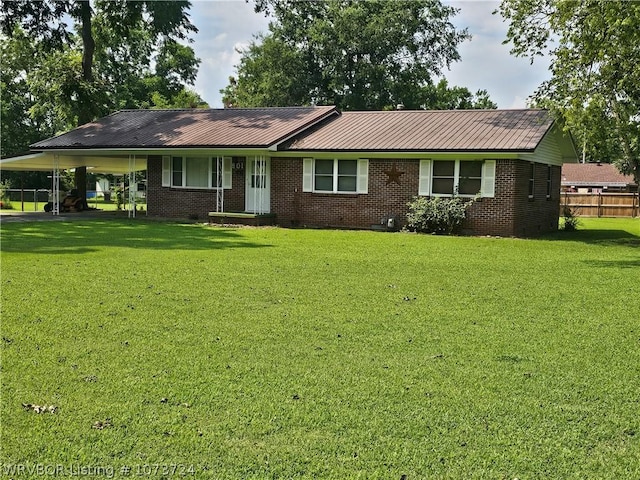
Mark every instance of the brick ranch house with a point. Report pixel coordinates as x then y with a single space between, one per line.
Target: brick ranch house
317 166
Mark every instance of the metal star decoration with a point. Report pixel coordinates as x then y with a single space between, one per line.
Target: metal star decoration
393 175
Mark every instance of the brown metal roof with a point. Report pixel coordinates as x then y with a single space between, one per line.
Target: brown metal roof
595 174
256 127
428 130
404 130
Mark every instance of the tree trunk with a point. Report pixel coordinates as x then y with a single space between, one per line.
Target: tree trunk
88 48
85 111
80 182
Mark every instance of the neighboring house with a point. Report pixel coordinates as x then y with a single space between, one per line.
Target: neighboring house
596 178
316 166
103 187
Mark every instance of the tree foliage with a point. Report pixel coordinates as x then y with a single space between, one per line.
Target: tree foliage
21 125
443 97
68 62
115 54
358 55
594 46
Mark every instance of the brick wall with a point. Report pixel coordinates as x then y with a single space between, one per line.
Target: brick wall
185 202
539 214
510 213
494 216
296 208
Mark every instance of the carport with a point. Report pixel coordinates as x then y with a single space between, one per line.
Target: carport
104 162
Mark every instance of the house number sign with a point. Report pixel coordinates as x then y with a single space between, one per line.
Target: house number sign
238 164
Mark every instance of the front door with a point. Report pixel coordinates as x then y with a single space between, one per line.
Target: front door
258 185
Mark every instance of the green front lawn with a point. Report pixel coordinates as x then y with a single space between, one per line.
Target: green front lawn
273 353
98 204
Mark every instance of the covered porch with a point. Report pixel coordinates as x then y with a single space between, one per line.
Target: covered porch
172 177
127 165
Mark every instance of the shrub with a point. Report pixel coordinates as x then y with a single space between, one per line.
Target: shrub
442 216
570 219
119 193
5 201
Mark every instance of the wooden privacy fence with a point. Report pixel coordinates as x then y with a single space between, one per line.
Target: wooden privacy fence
602 204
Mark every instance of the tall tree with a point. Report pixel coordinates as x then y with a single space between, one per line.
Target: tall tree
359 55
595 67
443 97
101 31
21 126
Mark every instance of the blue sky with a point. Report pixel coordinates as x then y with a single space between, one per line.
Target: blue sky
225 25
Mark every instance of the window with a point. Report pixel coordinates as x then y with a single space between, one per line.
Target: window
532 174
446 178
347 175
335 176
176 171
216 173
470 178
196 172
549 176
258 173
323 176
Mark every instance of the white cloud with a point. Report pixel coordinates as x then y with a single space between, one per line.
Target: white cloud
226 26
487 64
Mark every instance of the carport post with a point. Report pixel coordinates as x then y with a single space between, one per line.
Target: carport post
219 184
56 185
132 193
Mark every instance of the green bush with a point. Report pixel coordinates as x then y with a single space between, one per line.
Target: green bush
442 216
5 201
570 219
119 193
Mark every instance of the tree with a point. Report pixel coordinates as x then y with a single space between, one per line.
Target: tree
595 67
443 97
21 124
102 61
271 74
358 55
19 127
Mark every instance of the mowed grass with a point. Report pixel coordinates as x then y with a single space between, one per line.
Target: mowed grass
99 204
275 353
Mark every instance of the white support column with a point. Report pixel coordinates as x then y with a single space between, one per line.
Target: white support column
132 181
257 181
56 185
146 191
220 184
255 184
262 175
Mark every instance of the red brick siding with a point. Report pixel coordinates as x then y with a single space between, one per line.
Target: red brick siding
295 207
188 202
537 215
494 216
509 213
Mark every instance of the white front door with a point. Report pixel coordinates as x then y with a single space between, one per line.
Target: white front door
258 184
